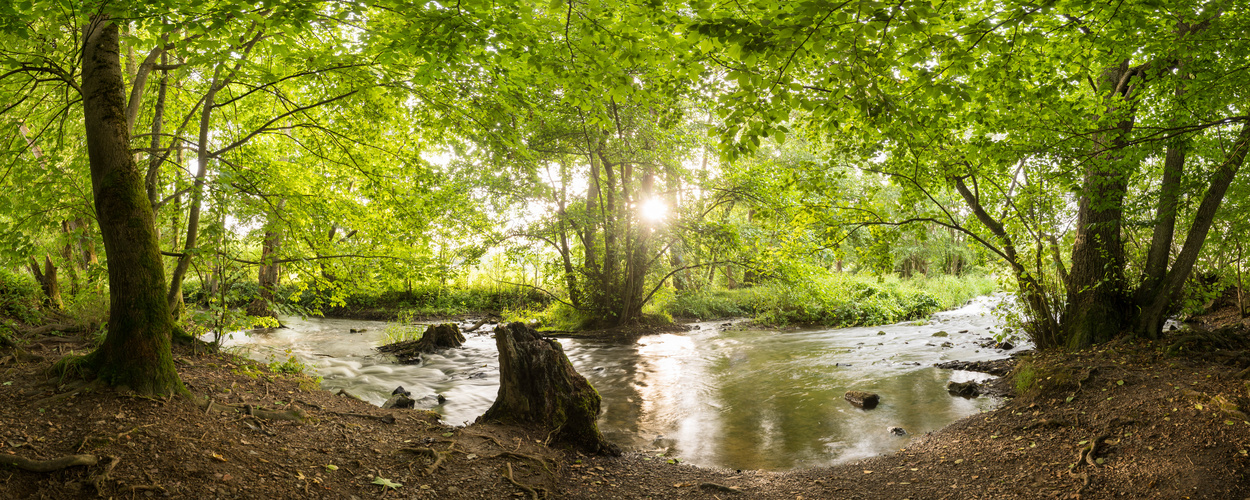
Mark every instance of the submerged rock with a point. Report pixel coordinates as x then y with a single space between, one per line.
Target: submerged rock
862 399
897 431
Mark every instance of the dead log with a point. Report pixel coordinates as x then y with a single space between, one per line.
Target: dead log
537 384
48 465
444 336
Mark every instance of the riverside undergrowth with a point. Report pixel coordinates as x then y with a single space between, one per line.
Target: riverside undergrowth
834 299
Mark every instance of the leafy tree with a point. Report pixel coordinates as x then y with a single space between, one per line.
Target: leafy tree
1040 118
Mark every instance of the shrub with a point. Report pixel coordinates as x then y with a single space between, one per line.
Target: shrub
19 296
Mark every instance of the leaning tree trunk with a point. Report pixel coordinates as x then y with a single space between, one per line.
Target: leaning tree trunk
136 351
1153 312
537 384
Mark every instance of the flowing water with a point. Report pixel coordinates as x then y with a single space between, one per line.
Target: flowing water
714 396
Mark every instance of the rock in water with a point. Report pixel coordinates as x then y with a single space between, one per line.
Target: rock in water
537 384
401 390
442 336
897 431
862 399
399 401
964 389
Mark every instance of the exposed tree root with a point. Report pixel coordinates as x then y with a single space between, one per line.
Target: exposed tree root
432 453
720 487
48 465
292 414
532 491
98 480
388 419
57 397
1086 453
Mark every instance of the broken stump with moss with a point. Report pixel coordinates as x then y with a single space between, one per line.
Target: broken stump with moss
444 336
538 385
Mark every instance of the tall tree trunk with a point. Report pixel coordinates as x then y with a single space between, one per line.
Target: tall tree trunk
268 273
676 253
1097 304
174 296
136 351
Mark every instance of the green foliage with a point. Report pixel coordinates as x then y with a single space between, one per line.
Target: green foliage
19 296
439 301
291 366
1025 378
556 316
712 304
402 329
835 299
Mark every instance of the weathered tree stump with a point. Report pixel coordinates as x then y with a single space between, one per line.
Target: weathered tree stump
537 384
442 336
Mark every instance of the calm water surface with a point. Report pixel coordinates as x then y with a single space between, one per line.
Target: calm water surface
714 396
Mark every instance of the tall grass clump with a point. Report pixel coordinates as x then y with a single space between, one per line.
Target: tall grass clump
402 329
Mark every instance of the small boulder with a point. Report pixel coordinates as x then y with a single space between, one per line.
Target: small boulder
940 333
947 345
882 332
862 399
964 389
1005 345
399 401
401 390
897 431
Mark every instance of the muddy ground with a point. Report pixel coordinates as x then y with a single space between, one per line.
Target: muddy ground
1126 420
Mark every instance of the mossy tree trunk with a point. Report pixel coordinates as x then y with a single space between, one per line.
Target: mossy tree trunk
537 384
136 351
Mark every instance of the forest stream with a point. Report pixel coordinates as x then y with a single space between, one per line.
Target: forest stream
719 395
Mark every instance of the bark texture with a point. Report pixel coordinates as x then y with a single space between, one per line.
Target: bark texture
136 351
537 384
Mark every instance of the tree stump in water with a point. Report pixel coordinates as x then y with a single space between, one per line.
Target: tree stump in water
442 336
537 384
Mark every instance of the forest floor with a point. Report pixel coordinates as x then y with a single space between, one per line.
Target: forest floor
1128 419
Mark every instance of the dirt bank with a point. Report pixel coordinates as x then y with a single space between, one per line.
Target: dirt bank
1161 426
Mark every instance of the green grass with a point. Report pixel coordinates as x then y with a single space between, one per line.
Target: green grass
402 329
834 299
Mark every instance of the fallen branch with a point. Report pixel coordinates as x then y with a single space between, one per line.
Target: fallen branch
48 465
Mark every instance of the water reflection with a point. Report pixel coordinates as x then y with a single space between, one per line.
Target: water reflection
741 399
753 399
